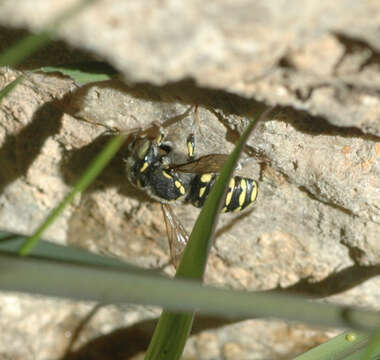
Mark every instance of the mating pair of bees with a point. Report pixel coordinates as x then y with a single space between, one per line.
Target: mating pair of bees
149 168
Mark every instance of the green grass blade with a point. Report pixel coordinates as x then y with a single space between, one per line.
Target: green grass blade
170 335
31 43
27 46
373 349
195 255
342 346
11 243
115 285
24 48
347 346
84 73
8 88
172 330
93 170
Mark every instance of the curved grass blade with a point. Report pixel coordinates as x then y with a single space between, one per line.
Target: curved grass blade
172 330
93 170
194 258
115 285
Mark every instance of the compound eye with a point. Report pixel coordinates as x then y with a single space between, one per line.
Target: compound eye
142 149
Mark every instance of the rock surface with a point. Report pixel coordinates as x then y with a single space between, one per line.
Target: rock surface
314 228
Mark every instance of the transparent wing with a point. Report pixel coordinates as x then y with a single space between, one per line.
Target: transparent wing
177 235
211 163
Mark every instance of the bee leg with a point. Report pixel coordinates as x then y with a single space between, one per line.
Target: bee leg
190 142
155 131
165 146
197 120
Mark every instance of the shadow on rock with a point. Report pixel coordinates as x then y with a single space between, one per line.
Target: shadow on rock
20 150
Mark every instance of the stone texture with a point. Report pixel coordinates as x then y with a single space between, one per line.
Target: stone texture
314 228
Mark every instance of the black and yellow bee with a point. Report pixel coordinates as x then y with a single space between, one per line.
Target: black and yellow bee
149 168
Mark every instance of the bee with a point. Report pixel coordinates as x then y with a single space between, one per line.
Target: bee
149 168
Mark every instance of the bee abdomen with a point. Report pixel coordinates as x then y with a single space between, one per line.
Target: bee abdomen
200 187
241 192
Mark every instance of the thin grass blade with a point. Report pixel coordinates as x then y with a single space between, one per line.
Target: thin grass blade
172 330
195 255
11 243
93 170
107 284
30 44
